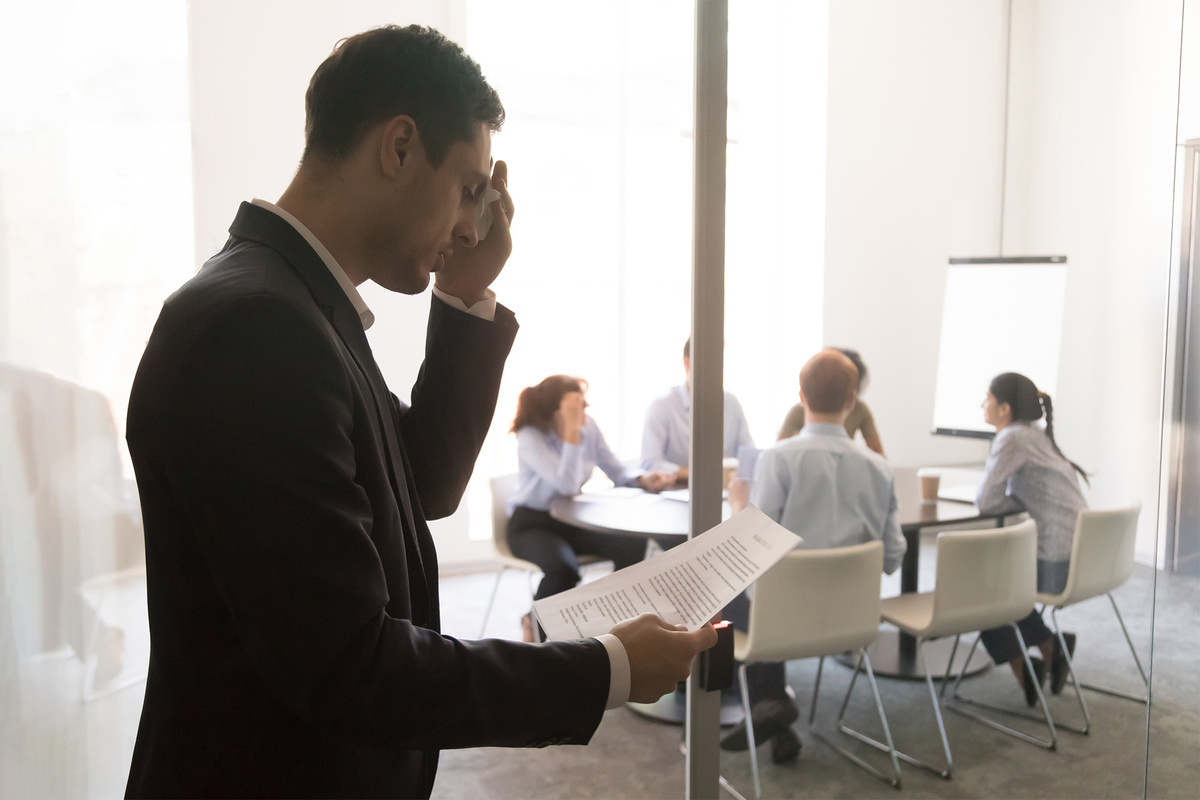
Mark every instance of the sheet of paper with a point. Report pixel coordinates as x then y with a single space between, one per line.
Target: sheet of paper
682 495
685 495
611 493
686 585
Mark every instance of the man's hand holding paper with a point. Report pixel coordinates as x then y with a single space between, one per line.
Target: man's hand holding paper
660 654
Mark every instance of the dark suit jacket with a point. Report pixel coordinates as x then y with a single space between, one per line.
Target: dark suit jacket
292 580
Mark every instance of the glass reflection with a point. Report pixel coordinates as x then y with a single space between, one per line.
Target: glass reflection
926 147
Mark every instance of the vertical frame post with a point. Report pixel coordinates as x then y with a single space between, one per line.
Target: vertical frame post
708 344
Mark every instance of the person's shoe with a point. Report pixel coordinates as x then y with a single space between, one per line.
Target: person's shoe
527 634
1039 670
785 748
770 718
1058 665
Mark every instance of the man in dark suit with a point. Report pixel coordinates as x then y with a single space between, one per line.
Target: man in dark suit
291 575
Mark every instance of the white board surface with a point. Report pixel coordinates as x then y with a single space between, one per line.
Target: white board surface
997 317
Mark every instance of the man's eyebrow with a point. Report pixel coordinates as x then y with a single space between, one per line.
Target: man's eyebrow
481 183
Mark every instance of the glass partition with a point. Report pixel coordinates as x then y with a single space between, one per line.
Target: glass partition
870 142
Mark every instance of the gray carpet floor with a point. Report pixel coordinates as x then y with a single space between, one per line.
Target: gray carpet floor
634 757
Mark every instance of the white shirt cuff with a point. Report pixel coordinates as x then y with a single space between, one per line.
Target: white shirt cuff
618 660
484 309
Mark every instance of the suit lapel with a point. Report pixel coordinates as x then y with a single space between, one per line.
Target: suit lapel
269 229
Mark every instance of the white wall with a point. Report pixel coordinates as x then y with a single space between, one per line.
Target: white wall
913 169
1095 113
248 134
916 97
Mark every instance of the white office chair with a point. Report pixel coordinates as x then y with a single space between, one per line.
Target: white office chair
816 603
117 618
985 579
1101 560
501 487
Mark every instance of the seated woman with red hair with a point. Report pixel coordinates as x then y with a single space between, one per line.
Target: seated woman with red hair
558 447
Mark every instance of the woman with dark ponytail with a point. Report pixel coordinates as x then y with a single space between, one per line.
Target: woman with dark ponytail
558 446
1026 470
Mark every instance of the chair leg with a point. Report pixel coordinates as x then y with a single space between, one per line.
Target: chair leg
889 747
749 729
1133 651
958 703
1083 707
812 711
937 709
893 779
950 666
1129 641
491 601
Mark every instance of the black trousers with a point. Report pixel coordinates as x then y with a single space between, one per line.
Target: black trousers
555 547
765 680
1001 643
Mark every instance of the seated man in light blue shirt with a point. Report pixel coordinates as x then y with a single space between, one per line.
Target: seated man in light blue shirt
832 492
667 435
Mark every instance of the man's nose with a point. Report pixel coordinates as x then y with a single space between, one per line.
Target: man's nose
466 234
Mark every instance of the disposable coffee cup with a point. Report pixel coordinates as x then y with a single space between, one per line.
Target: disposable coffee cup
729 468
931 480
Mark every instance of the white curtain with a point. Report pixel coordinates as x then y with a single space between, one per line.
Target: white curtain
95 231
599 136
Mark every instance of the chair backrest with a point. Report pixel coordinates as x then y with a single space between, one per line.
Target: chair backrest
1102 552
501 486
815 603
985 578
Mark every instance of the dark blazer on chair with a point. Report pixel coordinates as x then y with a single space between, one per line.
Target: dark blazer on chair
291 576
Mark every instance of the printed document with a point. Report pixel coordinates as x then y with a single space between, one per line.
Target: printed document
686 585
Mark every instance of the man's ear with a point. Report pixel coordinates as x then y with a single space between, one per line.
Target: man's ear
850 403
803 400
399 143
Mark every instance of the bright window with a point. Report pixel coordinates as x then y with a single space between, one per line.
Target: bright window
599 140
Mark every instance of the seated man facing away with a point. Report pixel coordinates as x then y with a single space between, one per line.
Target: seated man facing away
667 435
830 491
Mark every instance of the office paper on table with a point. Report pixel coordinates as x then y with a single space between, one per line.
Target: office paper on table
686 585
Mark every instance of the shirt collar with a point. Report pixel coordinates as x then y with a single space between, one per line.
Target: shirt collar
824 429
360 305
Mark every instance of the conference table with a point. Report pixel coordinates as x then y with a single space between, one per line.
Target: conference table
664 518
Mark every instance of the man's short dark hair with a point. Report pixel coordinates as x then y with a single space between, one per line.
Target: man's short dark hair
382 73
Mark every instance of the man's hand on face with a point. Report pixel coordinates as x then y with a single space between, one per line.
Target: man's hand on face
660 654
469 271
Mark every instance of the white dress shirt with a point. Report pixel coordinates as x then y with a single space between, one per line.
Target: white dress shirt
667 435
830 491
618 659
548 467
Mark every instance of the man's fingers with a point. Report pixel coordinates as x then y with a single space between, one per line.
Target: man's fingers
705 637
660 654
500 184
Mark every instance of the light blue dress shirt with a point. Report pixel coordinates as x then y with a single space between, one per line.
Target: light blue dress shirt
549 467
830 491
667 436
